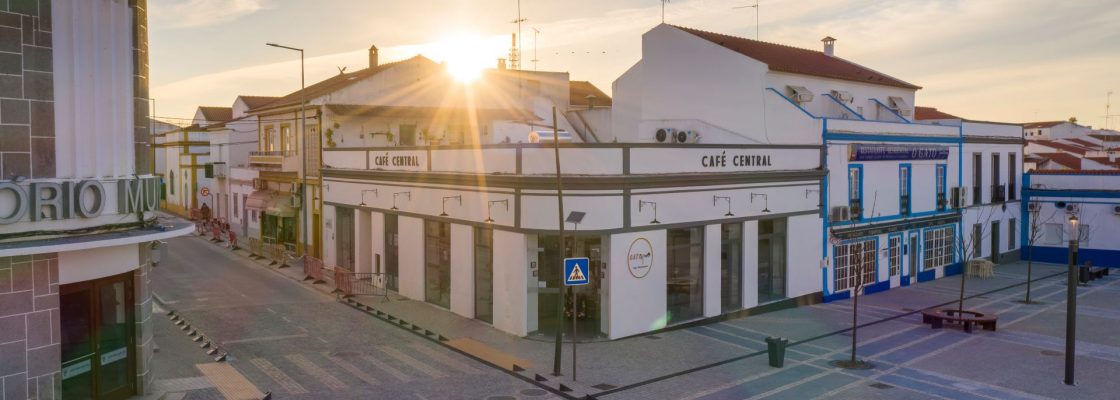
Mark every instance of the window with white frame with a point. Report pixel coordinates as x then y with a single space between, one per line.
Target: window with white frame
938 250
1052 233
894 250
851 260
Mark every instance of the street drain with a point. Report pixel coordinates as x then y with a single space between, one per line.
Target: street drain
1051 353
604 386
534 392
880 385
654 337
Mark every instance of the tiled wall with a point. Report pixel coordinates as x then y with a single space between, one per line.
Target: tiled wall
145 346
140 75
30 334
26 90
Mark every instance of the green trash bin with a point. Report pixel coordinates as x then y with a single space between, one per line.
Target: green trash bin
776 347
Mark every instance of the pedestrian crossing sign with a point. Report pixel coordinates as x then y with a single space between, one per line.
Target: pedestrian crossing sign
576 271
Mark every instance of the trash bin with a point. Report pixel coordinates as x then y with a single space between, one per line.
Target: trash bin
1083 274
776 347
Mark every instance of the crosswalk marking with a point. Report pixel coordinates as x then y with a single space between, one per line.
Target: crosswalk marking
396 373
315 371
229 382
443 358
414 363
279 376
353 370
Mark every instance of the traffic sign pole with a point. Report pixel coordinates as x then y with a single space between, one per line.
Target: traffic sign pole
575 332
577 272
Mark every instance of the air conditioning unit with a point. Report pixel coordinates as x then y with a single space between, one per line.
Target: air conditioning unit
687 137
839 214
294 201
665 135
1073 208
1116 210
1033 207
260 184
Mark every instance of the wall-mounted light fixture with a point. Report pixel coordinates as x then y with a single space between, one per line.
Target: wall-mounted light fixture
363 203
407 195
643 203
818 192
458 198
490 204
765 199
716 199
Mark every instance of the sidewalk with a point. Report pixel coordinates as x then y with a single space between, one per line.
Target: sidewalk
818 333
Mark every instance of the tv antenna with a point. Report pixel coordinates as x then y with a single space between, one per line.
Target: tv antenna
1108 110
515 55
536 32
663 10
755 7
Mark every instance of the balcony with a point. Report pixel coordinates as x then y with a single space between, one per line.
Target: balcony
1011 191
942 203
999 194
976 196
904 205
856 212
284 160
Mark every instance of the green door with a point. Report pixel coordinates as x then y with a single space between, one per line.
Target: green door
98 338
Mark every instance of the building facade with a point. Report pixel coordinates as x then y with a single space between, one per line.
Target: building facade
1053 198
77 200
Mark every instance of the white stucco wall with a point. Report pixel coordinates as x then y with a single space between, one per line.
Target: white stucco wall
638 304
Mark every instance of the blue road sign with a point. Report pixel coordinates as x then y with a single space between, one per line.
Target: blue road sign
576 271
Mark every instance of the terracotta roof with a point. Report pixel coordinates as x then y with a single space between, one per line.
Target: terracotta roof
216 114
921 113
1044 124
333 84
1075 172
429 112
257 101
1062 146
1107 138
1105 161
578 91
1066 160
1084 143
799 61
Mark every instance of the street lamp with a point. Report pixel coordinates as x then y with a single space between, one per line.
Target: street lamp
1071 300
302 129
375 194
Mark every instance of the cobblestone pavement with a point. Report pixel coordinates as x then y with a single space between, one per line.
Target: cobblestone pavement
297 342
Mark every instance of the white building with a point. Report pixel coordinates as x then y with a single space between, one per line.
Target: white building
1051 130
230 144
186 159
77 203
1053 197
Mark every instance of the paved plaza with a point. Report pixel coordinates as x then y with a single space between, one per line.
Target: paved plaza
293 339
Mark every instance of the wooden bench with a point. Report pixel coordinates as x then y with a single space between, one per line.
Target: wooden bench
967 318
1088 273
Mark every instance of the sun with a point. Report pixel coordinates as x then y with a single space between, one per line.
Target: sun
466 55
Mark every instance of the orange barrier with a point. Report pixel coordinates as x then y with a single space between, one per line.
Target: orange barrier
279 255
232 240
312 269
349 283
256 248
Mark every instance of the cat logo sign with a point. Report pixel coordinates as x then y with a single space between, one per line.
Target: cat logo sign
576 271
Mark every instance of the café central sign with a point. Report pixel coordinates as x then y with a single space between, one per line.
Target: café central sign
74 199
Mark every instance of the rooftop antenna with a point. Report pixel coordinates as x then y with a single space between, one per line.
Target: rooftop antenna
537 32
663 10
1108 109
515 54
755 7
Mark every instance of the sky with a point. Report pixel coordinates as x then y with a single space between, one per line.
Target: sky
995 60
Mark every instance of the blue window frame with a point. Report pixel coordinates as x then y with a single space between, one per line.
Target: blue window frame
904 189
855 190
942 202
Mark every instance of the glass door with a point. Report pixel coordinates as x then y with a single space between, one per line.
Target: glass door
437 255
731 267
76 305
771 260
98 338
484 274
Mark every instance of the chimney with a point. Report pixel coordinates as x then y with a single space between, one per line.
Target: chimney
829 45
372 56
501 63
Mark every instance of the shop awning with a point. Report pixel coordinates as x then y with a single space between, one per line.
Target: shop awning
259 200
273 203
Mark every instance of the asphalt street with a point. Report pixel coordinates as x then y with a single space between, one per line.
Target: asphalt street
298 343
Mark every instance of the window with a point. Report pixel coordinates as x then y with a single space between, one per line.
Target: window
997 189
1053 233
437 257
287 141
685 281
731 267
938 250
894 254
855 188
977 177
1011 234
269 142
853 259
236 214
484 274
392 251
1011 177
904 189
172 186
940 187
977 240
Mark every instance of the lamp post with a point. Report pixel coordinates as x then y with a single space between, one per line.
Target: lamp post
302 133
1071 300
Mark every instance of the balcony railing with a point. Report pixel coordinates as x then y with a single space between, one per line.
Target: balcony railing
274 153
942 203
904 205
271 158
976 196
855 212
1011 191
999 194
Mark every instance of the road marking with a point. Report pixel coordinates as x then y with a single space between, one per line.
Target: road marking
412 362
315 371
227 380
396 373
354 370
286 319
279 376
445 359
271 310
264 339
302 329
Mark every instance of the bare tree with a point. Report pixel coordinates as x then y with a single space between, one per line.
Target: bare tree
856 266
967 246
1034 210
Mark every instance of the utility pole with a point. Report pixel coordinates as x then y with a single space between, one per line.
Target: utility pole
302 132
515 59
537 32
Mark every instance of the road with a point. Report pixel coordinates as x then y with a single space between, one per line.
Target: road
298 343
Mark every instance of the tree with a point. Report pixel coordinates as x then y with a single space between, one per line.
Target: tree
1073 120
966 246
1034 233
855 259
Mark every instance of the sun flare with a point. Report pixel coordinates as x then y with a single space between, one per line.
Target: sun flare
466 55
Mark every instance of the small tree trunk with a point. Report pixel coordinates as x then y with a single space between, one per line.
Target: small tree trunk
1030 261
960 299
855 322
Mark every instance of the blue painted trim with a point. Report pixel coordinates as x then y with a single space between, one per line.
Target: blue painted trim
892 111
909 188
1099 194
877 287
941 171
793 102
1060 255
925 276
875 137
918 255
1077 201
954 269
901 256
837 296
953 237
960 184
858 167
824 219
904 281
885 218
1024 227
837 101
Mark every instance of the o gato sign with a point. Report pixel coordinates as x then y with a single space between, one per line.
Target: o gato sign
640 258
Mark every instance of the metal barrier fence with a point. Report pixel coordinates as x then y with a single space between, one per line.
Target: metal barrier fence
279 255
256 248
349 283
216 229
312 269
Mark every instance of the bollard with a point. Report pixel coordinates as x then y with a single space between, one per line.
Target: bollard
776 347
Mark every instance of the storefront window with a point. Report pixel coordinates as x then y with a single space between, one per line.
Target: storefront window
771 260
484 274
391 252
685 290
852 261
437 256
344 237
731 267
938 247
